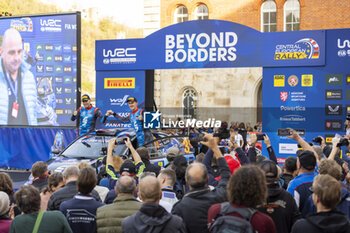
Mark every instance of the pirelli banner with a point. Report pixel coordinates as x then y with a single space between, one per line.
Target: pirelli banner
113 89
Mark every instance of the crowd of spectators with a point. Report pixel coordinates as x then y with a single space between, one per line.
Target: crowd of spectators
228 188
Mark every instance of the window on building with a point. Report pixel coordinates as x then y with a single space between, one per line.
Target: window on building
291 15
268 16
181 14
201 12
189 102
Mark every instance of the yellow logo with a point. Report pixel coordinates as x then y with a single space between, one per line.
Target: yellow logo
329 93
119 83
307 80
278 80
329 139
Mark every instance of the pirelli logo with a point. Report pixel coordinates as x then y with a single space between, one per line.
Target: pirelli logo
119 83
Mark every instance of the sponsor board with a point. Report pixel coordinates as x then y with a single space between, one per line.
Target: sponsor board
68 79
333 109
347 94
59 90
39 47
287 148
119 55
58 58
59 111
334 79
283 95
307 80
67 90
39 68
59 100
293 80
335 125
49 47
49 69
119 101
335 94
306 48
22 24
58 47
119 83
328 138
49 57
59 79
278 80
50 25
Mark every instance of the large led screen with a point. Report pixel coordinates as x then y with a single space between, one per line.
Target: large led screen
40 70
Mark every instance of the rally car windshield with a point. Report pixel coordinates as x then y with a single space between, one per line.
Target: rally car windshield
92 147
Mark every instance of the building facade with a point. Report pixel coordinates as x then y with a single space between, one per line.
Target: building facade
234 94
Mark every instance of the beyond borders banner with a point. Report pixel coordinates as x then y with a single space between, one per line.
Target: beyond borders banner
212 44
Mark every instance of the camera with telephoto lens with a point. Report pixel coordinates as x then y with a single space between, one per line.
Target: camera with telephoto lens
317 140
343 142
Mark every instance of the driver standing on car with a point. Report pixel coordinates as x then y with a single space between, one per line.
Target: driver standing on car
87 116
136 120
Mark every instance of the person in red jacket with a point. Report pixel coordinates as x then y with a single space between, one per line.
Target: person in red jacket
247 189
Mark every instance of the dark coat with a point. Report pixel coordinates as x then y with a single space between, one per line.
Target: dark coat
152 218
66 193
194 206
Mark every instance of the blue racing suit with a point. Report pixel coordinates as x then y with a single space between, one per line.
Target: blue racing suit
87 119
136 124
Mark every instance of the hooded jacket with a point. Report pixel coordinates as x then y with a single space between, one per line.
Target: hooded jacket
153 218
331 222
281 207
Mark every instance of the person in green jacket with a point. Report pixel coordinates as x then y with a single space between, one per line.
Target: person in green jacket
110 217
28 200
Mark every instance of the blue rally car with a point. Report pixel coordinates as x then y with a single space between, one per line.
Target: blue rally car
92 147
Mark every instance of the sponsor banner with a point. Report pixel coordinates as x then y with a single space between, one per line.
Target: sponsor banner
287 148
118 83
334 79
335 94
333 109
211 43
112 93
334 125
278 80
307 80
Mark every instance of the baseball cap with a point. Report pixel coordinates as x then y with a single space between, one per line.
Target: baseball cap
307 159
85 97
4 203
270 169
131 99
129 167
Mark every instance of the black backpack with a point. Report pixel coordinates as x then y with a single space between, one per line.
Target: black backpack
233 224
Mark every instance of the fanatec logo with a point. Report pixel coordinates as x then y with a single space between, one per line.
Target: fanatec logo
120 101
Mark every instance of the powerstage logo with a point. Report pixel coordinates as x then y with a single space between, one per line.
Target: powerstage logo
302 49
119 56
203 47
152 120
